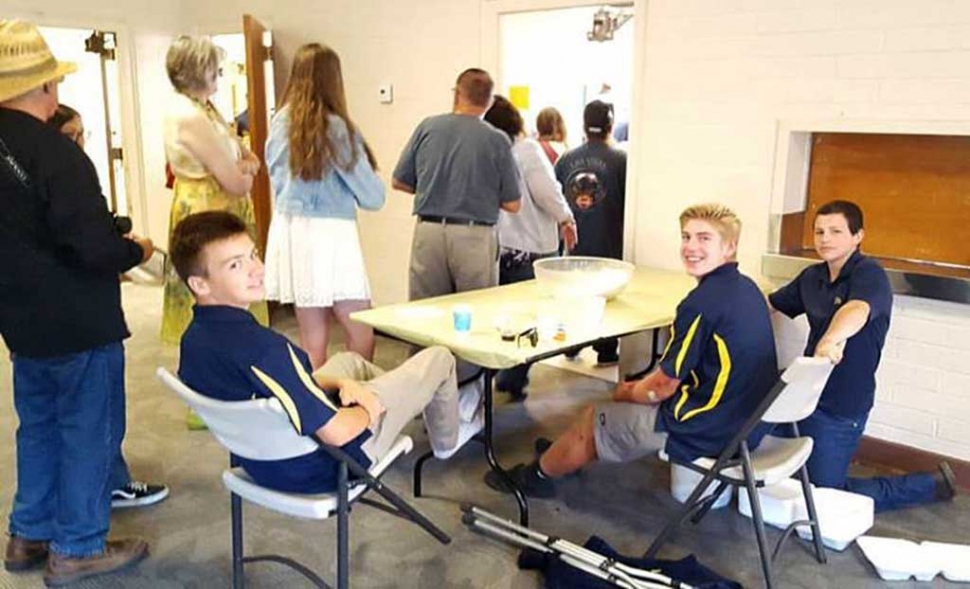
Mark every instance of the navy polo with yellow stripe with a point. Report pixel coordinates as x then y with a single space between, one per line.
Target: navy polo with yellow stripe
851 389
226 355
722 351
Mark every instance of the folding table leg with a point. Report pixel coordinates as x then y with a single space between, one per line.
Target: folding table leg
490 451
418 467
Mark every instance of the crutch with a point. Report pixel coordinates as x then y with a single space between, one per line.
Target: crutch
611 571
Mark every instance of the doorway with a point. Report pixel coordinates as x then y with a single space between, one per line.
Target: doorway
232 98
94 92
559 58
565 58
247 98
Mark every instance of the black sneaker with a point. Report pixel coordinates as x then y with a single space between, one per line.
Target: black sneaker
526 478
138 494
608 359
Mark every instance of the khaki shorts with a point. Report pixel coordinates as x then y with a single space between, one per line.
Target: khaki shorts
625 431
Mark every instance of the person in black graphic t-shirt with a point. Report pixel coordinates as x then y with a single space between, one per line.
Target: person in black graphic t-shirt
593 177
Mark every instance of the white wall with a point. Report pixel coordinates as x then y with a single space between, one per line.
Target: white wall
722 76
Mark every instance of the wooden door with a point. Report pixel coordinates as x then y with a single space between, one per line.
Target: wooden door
257 54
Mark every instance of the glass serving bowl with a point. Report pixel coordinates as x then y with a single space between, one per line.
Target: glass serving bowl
582 276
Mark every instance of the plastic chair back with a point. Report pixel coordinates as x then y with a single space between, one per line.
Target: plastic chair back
804 381
257 429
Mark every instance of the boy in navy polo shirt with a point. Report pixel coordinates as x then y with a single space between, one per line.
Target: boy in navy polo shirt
848 301
227 355
718 366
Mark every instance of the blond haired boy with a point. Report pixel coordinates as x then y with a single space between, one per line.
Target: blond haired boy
718 365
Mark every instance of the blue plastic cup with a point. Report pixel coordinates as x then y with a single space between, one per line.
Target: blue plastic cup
462 317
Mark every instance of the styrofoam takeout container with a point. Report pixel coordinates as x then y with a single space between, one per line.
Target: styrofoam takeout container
897 560
683 481
952 559
842 516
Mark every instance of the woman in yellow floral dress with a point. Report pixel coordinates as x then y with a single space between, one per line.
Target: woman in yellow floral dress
212 170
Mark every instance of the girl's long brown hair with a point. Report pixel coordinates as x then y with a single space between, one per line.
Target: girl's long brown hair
315 90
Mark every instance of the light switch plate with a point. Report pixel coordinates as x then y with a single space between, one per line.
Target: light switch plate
386 93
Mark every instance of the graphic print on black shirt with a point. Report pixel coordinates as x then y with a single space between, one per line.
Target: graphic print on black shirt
593 177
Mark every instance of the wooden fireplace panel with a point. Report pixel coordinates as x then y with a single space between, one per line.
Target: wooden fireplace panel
914 191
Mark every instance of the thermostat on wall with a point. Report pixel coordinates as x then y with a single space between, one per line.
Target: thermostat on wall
386 93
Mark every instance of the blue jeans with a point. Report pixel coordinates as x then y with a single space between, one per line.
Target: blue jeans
836 439
72 421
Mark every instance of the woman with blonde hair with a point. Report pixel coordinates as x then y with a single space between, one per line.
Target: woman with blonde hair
321 171
552 133
212 170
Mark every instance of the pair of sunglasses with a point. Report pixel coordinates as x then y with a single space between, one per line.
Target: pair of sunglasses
530 335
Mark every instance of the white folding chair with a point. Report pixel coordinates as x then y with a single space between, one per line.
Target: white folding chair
260 430
791 400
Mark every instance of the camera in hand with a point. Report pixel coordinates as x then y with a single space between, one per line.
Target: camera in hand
122 224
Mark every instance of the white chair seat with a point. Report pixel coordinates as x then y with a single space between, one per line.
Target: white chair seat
317 506
775 460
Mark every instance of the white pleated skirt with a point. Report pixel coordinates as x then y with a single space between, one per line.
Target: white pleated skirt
314 261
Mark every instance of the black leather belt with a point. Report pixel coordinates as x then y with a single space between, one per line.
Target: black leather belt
451 221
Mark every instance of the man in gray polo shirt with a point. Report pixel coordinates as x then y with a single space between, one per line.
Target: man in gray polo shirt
461 171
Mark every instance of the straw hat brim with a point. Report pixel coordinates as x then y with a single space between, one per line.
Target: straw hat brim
14 85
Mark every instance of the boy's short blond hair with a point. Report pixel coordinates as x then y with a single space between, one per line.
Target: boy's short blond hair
723 219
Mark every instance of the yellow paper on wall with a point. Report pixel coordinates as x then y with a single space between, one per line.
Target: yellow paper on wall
519 96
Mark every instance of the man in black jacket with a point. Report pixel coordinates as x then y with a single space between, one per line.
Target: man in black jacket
61 317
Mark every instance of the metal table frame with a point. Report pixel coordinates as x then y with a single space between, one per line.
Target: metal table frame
486 437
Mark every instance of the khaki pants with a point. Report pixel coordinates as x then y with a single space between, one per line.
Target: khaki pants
446 259
424 383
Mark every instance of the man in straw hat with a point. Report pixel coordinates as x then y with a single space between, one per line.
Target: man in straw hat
61 317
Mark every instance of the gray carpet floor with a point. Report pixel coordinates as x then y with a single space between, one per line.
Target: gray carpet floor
627 505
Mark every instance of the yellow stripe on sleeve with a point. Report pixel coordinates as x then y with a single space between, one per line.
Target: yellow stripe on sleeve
722 378
684 394
280 393
308 381
686 345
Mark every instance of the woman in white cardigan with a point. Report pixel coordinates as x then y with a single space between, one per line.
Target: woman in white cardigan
534 232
